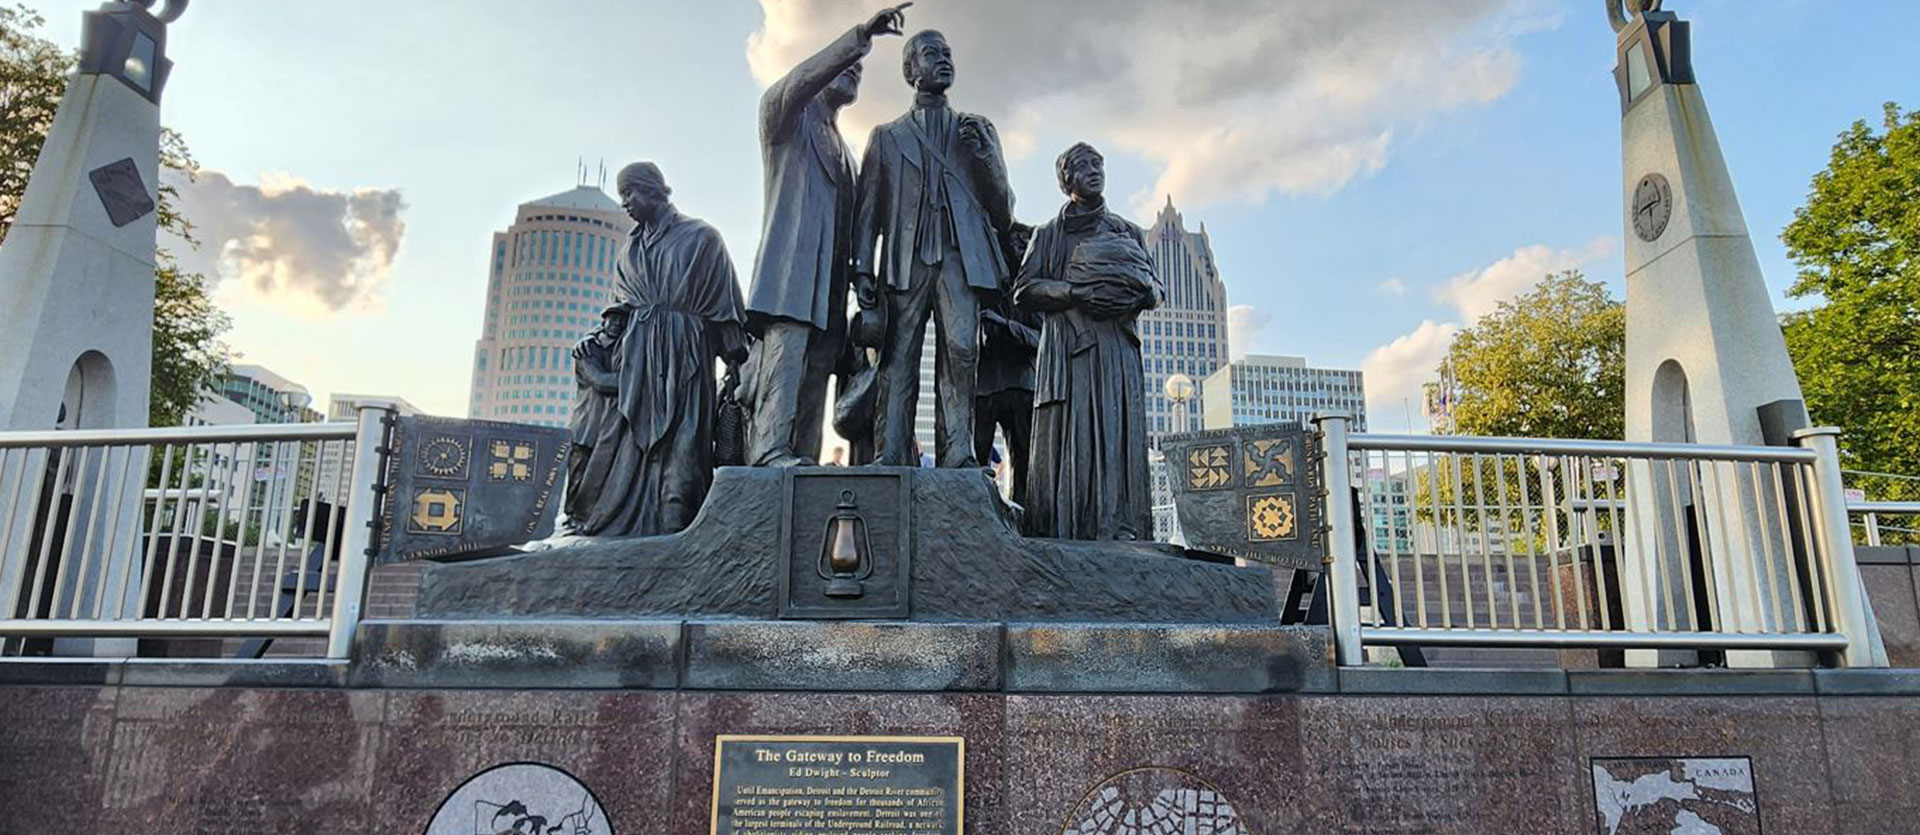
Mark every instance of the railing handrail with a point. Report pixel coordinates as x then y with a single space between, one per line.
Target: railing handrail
1883 507
1737 503
1896 508
1875 474
1563 446
179 434
122 551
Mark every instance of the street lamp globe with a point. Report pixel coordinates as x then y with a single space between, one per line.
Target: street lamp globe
1179 388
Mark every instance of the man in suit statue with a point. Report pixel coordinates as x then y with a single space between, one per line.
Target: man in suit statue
934 196
797 306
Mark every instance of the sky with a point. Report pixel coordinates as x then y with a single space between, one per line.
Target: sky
1375 174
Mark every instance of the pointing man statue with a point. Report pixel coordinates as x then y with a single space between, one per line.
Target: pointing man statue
797 304
934 196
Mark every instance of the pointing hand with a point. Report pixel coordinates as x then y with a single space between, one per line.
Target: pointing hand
887 22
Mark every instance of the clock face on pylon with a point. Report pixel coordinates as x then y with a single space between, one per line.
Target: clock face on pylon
1652 207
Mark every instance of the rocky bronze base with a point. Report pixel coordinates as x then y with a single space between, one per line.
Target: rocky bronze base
966 564
843 656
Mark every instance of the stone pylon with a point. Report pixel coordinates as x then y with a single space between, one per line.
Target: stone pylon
76 333
76 330
1705 362
1704 350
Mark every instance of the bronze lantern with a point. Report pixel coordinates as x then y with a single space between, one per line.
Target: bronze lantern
846 559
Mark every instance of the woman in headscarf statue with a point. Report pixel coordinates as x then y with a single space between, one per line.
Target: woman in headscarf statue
1089 275
684 311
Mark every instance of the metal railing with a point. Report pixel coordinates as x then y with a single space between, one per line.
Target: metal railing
1873 526
1513 542
1884 507
191 532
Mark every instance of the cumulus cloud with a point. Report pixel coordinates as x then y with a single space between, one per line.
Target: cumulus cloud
1477 293
1230 99
286 239
1396 371
1391 287
1245 324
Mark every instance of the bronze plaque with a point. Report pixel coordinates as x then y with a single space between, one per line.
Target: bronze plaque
121 191
847 537
839 785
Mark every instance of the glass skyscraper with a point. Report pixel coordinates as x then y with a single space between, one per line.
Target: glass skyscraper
270 397
548 277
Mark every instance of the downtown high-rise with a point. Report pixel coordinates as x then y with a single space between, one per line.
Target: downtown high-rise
1187 333
549 276
1271 389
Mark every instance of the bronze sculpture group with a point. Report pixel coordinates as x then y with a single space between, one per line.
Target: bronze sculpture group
1038 339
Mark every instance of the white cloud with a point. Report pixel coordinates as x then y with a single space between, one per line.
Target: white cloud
284 238
1395 371
1229 99
1477 293
1391 287
1245 324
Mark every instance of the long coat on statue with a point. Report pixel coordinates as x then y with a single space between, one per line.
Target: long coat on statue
802 268
656 456
1087 475
902 162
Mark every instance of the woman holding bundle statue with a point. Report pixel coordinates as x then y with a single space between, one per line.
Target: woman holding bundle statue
1089 275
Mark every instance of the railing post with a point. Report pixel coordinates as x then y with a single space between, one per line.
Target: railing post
369 455
1340 559
1873 530
1835 535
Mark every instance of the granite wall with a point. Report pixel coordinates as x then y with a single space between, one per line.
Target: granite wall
1892 577
1838 755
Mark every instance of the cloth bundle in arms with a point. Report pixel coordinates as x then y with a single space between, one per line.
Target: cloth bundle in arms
1117 268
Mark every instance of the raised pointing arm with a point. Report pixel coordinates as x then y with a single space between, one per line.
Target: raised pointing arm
782 104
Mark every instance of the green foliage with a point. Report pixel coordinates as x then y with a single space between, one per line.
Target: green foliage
1549 364
1856 243
188 356
32 79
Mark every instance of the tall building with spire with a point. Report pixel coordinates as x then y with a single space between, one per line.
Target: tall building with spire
548 277
1187 334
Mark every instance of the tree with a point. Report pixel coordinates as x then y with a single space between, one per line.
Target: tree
32 77
189 359
1856 243
1549 364
188 356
